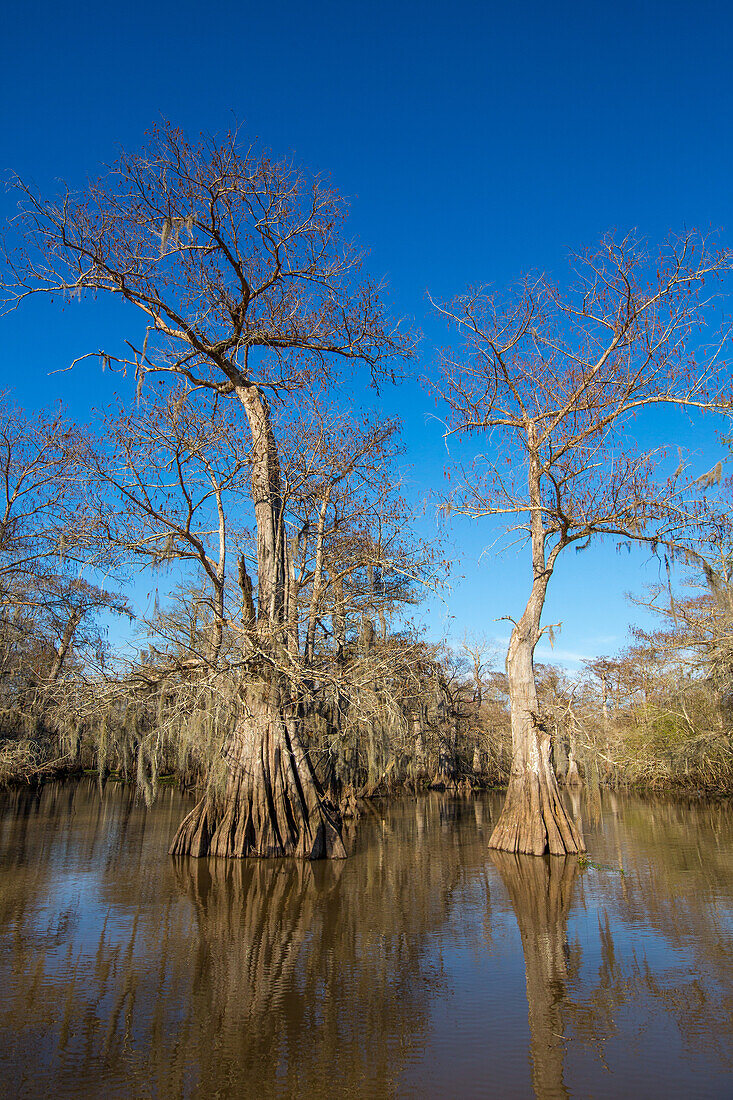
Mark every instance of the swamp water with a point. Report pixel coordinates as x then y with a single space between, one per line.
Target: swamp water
422 966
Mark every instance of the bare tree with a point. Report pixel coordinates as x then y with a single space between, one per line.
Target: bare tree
44 524
240 270
339 483
556 378
356 566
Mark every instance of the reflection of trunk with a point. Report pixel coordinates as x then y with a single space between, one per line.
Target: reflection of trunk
533 819
259 927
254 924
293 968
63 649
575 802
540 891
273 804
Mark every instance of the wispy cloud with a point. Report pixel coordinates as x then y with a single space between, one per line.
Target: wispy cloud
558 656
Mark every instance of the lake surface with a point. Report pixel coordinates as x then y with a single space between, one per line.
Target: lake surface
420 967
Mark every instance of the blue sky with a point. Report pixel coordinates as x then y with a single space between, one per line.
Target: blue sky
476 140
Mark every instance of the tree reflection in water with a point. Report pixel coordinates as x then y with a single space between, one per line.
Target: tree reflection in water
192 977
540 889
316 989
274 972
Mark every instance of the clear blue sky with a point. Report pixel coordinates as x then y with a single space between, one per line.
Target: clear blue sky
475 139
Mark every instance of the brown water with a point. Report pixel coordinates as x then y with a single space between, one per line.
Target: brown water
419 967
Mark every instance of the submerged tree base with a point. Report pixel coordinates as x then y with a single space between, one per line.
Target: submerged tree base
534 820
273 805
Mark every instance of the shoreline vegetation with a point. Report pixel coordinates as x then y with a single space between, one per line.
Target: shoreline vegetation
20 767
461 741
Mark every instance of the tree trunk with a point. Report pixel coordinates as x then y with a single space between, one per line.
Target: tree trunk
572 778
533 819
292 549
63 649
339 617
317 589
217 574
418 741
273 804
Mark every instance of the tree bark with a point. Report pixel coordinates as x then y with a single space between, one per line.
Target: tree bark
534 819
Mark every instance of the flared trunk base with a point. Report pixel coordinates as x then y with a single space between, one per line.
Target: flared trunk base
534 820
273 805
